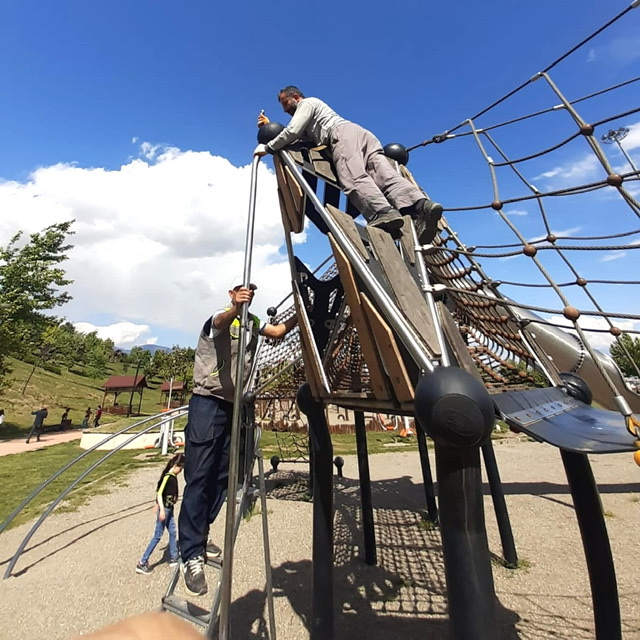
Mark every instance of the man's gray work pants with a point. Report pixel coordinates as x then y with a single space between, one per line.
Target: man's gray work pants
365 173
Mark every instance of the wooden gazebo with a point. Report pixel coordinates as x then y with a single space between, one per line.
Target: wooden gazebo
178 392
123 384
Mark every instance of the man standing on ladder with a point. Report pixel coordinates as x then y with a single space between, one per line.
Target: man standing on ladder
208 430
377 190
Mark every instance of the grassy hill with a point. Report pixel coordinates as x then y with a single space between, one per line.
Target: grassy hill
56 392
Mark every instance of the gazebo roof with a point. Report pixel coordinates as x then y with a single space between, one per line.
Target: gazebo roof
176 386
119 383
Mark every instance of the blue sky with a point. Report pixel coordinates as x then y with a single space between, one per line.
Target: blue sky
138 120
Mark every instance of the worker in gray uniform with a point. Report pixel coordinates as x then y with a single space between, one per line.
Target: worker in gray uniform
208 430
378 191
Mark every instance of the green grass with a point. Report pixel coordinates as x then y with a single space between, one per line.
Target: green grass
21 473
56 392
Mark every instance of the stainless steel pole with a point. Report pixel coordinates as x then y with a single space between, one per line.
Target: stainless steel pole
229 534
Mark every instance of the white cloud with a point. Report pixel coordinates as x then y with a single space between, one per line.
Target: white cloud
614 255
123 334
599 341
559 233
619 51
516 212
158 240
577 171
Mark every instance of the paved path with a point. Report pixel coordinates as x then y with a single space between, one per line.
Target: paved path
77 574
19 445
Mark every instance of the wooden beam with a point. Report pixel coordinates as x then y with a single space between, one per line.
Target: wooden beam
312 364
348 226
367 342
389 352
406 291
292 193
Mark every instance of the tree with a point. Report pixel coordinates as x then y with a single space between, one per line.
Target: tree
31 281
176 364
629 367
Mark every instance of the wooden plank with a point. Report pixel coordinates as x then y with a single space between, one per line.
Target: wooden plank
320 158
312 365
367 342
293 195
348 226
407 240
389 352
283 212
407 293
455 341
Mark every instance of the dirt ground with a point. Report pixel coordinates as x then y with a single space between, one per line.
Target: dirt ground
77 574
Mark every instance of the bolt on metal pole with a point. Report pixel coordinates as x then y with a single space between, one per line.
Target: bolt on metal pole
229 533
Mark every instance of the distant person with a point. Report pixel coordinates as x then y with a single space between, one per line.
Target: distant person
38 422
87 417
64 420
96 419
166 498
1 416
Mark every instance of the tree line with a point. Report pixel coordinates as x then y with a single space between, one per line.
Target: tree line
32 285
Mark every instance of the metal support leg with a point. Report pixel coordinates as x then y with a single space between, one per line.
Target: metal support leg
322 471
500 506
595 540
368 528
427 478
472 600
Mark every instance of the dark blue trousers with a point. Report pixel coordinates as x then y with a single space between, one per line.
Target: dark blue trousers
206 471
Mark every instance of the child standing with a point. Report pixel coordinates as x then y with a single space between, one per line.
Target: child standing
166 498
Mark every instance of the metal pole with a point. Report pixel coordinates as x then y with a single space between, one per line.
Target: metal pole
597 548
368 526
500 506
409 338
227 566
58 473
427 476
55 503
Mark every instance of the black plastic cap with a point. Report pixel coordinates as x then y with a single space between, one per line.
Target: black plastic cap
454 408
397 152
267 132
576 387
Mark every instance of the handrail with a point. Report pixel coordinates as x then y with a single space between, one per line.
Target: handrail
52 506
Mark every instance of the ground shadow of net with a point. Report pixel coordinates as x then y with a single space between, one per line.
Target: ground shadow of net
405 594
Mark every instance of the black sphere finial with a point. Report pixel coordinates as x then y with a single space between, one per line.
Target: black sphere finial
454 408
267 132
397 152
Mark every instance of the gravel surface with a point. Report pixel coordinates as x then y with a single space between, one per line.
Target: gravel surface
78 572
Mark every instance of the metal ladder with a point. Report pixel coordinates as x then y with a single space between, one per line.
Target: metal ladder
244 498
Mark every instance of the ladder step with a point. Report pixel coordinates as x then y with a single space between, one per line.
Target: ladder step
186 610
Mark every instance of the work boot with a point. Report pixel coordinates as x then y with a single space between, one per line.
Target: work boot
426 221
194 580
390 221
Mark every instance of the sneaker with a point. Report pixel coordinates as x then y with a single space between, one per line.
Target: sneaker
193 572
391 221
145 569
173 562
427 221
212 550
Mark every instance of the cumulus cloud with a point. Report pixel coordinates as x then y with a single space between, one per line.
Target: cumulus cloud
599 341
158 240
581 170
123 334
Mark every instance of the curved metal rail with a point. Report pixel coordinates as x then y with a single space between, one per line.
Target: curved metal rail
181 411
